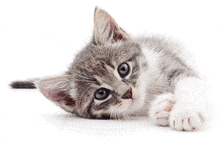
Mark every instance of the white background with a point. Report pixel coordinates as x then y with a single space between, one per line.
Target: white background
40 38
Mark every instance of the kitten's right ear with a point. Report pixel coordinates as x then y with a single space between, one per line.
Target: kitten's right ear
106 29
59 90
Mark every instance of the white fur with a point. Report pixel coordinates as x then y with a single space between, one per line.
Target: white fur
188 111
152 60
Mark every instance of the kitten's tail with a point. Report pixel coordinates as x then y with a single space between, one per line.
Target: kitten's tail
23 84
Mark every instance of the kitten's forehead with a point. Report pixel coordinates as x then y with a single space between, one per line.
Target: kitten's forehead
119 52
115 54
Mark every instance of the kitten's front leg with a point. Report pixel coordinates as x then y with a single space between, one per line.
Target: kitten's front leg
182 111
188 113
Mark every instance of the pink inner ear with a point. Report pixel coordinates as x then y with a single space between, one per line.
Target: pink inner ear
58 96
55 95
114 31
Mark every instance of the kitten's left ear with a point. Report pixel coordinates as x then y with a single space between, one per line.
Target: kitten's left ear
106 29
58 90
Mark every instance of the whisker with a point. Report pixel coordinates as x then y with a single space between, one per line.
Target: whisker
78 87
87 89
112 114
120 54
126 116
135 72
115 113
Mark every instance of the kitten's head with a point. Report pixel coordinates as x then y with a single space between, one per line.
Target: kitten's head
106 78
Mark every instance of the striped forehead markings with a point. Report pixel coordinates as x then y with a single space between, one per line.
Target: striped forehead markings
98 79
109 64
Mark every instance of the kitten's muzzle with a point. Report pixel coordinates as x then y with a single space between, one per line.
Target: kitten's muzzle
128 94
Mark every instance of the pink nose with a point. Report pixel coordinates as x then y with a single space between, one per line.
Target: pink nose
128 94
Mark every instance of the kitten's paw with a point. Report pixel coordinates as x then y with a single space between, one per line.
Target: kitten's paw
186 121
161 108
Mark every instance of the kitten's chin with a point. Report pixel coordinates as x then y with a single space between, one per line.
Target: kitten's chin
136 105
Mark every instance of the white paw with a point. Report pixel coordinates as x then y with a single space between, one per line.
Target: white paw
186 121
161 108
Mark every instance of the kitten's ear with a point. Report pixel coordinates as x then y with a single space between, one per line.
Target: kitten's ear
58 90
106 29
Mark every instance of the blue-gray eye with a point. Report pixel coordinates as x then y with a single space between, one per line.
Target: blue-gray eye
123 69
102 93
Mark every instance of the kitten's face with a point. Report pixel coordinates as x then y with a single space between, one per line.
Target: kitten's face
107 80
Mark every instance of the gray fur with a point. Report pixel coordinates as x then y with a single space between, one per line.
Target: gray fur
107 50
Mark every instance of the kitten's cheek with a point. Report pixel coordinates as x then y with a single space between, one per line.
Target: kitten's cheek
125 105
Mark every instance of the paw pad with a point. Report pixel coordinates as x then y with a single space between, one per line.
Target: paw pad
186 121
161 109
168 108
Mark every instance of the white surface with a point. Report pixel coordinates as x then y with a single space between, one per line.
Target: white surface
40 39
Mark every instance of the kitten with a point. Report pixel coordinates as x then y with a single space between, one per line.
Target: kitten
116 76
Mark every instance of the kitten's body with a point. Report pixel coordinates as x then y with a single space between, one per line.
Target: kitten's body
116 75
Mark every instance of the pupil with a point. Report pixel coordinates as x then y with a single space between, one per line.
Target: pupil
123 68
101 92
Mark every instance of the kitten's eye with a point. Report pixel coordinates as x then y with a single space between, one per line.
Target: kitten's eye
102 93
123 70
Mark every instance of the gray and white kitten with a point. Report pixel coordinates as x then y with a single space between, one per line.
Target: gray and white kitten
116 76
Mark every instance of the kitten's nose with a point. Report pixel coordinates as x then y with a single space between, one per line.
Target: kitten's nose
128 94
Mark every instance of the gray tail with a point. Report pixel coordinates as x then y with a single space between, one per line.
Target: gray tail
23 85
